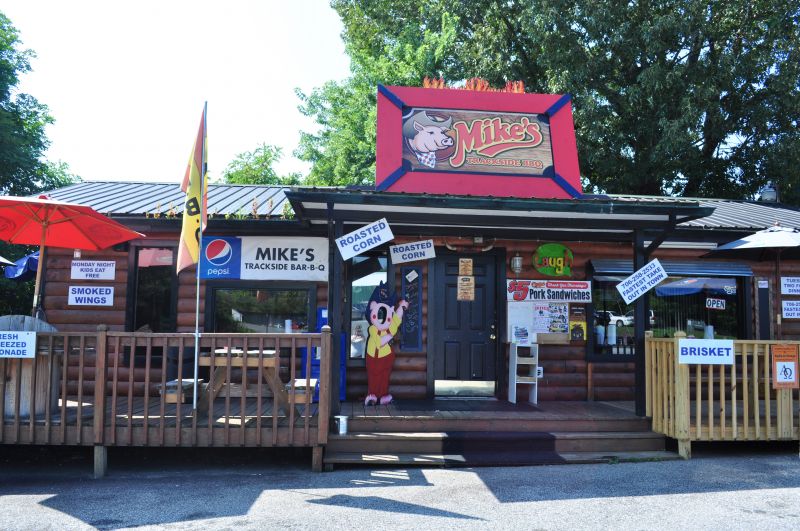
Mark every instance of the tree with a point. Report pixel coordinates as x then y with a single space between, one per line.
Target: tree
342 151
683 97
22 123
256 167
23 170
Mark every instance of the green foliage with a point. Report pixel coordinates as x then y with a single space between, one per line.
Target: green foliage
342 150
257 167
22 122
682 97
23 171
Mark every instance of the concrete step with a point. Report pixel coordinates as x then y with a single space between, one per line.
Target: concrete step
418 424
473 442
491 458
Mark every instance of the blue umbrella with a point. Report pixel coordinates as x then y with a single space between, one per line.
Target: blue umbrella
692 286
23 269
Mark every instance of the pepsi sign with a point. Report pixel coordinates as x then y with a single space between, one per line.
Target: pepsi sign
221 257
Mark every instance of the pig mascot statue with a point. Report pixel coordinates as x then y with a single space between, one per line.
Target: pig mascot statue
384 315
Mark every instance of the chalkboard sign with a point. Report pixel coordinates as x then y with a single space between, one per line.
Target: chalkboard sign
411 291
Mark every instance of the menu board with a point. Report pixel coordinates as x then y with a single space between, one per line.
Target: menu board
411 328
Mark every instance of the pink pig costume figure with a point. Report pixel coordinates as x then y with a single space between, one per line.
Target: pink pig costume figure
384 322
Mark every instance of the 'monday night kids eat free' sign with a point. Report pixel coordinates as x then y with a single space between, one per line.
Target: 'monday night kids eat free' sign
17 344
642 281
93 270
364 239
705 351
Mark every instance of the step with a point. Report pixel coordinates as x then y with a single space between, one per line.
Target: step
470 442
488 424
492 458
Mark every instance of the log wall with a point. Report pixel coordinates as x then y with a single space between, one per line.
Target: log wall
567 375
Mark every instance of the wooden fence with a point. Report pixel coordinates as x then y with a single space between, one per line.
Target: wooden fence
718 402
136 389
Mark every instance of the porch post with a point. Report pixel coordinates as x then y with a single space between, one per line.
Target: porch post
335 305
640 320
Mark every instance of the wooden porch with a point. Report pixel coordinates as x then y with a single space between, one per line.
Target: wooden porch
134 389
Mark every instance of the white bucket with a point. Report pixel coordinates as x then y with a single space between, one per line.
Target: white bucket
341 421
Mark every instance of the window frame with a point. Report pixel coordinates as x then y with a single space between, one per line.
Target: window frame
744 313
132 283
271 285
379 252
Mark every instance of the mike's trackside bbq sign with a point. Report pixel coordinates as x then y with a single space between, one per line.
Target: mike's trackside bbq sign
262 258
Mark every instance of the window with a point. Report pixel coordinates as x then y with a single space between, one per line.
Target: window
702 307
155 290
366 273
261 309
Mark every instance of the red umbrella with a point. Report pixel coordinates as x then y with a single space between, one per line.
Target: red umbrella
49 223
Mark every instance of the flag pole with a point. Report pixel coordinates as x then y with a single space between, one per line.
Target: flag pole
203 170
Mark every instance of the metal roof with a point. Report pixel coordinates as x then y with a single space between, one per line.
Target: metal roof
704 268
117 198
730 214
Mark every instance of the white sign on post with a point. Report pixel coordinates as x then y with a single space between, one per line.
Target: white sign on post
411 252
642 281
705 351
791 309
90 296
790 285
364 239
93 269
17 344
284 258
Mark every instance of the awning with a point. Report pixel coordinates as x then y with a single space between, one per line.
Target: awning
586 219
676 268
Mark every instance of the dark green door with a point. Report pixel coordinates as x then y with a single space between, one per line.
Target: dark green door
465 344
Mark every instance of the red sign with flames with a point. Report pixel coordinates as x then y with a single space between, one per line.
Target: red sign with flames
447 141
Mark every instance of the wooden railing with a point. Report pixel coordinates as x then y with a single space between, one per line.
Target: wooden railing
718 402
113 389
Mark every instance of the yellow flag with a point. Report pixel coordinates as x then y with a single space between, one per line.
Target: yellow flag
195 208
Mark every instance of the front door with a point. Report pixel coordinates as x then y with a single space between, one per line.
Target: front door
465 344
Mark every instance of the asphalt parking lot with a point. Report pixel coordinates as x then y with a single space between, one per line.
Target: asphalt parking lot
733 488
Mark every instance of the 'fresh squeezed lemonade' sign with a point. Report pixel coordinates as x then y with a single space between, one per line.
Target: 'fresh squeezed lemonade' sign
705 351
642 281
364 239
17 344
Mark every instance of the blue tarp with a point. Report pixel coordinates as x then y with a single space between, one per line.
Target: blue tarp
23 269
692 286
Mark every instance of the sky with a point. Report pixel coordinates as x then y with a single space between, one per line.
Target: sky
126 81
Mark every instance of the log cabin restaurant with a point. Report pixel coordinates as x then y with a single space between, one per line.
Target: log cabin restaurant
514 344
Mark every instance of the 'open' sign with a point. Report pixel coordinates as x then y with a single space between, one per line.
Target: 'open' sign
715 304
